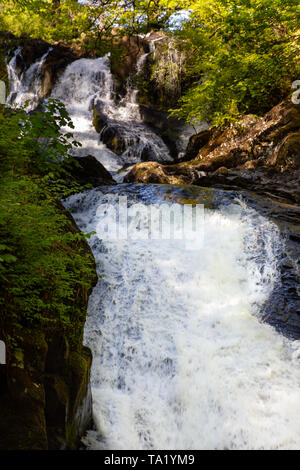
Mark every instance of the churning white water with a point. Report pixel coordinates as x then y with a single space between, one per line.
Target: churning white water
80 83
89 82
181 358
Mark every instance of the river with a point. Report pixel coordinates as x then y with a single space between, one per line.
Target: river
182 358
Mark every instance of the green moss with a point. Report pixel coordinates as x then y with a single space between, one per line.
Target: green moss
18 358
97 121
80 363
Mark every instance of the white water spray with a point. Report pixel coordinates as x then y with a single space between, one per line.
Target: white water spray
89 82
27 86
181 358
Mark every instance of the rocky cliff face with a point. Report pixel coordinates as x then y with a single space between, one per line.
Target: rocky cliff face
259 154
161 75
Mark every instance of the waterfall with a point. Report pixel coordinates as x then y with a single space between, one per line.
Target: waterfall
84 84
78 87
143 58
181 356
27 86
182 359
87 83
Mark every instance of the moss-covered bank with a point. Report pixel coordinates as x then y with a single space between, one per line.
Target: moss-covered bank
45 400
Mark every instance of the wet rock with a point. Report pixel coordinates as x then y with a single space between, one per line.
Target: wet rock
126 51
119 137
171 130
196 142
57 60
113 134
115 138
259 154
88 170
147 153
99 119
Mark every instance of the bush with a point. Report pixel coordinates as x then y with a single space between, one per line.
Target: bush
45 264
243 55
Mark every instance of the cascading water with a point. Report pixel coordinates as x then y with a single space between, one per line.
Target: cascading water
142 60
78 87
27 86
181 358
86 83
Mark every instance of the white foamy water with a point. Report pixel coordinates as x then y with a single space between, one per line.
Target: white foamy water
28 86
181 358
87 82
79 84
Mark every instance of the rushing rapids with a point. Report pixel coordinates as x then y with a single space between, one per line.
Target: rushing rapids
182 358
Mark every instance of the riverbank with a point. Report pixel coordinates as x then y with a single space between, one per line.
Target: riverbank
260 154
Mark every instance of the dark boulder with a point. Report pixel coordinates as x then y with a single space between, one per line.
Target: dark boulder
119 137
113 137
88 170
196 142
171 130
113 134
